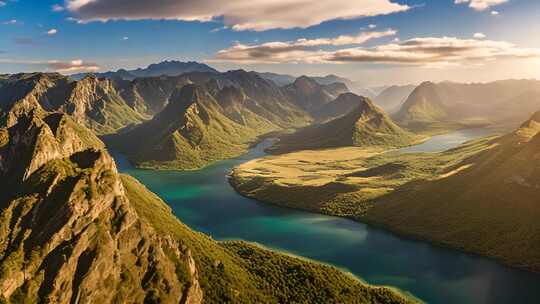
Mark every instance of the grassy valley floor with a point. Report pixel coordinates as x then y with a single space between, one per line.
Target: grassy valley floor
429 196
345 181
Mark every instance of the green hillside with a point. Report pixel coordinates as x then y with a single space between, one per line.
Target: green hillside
364 125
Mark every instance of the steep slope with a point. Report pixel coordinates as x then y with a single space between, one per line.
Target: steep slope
342 105
423 106
487 204
279 79
391 98
192 131
365 125
96 104
69 232
75 231
90 101
310 95
164 68
501 103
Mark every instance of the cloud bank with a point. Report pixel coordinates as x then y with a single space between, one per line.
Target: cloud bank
67 67
429 51
238 14
481 5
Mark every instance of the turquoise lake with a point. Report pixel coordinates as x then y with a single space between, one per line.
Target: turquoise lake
205 201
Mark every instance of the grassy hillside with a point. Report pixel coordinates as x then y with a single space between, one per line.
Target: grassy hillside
364 125
481 197
447 105
490 206
191 132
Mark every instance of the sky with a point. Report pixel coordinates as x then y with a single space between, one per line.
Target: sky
376 42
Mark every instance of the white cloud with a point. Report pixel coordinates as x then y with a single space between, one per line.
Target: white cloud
57 8
2 3
372 26
494 13
481 5
125 38
52 32
430 52
479 35
11 22
289 50
237 14
73 66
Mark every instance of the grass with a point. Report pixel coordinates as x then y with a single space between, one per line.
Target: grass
481 197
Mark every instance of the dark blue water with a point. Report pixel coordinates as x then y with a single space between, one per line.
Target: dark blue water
205 201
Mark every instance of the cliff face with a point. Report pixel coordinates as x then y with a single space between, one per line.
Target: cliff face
195 129
90 101
69 233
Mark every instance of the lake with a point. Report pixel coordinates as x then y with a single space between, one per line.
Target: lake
206 202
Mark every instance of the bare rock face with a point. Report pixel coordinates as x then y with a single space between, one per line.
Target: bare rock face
93 102
68 232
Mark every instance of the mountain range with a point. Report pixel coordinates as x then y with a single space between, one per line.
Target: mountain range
164 68
504 103
392 98
74 230
364 124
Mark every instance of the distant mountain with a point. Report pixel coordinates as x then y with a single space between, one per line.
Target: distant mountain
190 132
506 102
202 123
392 98
340 106
424 105
365 125
279 79
165 68
487 204
310 95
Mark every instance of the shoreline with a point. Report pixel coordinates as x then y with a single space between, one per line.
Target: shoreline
403 293
397 233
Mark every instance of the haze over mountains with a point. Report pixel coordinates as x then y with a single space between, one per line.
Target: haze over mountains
487 203
233 109
505 102
164 68
364 125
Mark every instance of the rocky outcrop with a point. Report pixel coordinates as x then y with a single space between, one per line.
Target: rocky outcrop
68 232
310 95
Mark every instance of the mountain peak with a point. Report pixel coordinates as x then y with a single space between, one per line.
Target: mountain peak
187 95
164 68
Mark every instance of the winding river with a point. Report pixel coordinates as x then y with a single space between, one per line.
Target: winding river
204 200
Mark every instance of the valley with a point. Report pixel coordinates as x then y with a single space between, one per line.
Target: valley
431 273
438 196
269 152
331 152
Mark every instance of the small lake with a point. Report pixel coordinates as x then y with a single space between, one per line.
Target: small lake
205 201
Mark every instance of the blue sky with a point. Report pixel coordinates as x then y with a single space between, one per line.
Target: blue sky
26 46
